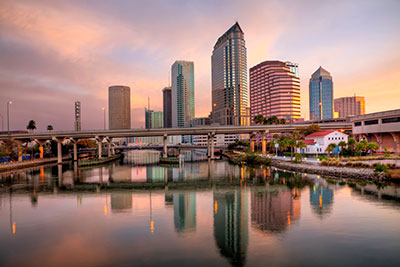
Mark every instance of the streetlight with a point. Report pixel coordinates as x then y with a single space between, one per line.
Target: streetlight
2 122
104 111
8 115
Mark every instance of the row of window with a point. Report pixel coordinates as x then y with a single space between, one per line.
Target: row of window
335 138
373 122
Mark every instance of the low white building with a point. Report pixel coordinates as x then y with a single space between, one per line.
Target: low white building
318 142
221 140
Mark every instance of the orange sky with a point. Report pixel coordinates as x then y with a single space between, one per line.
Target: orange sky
55 52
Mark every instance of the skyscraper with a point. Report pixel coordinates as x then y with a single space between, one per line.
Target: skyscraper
275 90
153 119
349 106
230 105
78 123
119 107
321 95
182 96
167 108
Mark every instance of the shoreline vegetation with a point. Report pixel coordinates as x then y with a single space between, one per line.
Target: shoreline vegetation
330 167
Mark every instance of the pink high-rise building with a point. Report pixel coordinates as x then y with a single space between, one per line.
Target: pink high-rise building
275 90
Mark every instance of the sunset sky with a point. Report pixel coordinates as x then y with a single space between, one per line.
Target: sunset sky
53 53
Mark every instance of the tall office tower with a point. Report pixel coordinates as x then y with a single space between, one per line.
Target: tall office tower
119 107
78 123
275 90
182 96
153 119
167 108
229 79
321 95
349 106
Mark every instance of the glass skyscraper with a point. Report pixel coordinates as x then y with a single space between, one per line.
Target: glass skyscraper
182 74
230 104
321 95
154 119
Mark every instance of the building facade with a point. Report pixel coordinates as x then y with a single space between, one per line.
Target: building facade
230 105
78 122
153 119
201 121
182 94
321 95
119 107
349 106
167 107
380 127
318 142
275 90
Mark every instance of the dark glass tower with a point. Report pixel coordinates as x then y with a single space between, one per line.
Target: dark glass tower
321 95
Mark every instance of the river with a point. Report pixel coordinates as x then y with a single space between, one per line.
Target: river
204 213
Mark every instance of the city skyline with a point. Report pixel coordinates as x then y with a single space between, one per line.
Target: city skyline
54 54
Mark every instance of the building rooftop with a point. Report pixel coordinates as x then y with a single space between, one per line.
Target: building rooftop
320 72
319 134
224 37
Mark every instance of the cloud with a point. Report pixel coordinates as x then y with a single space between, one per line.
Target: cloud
55 52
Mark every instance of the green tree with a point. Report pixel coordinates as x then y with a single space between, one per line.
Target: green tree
259 119
283 145
373 147
301 145
283 121
292 145
49 128
310 129
351 144
275 120
342 144
361 146
330 148
31 125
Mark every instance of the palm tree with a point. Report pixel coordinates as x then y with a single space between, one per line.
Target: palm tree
342 144
301 145
283 121
292 145
259 119
268 121
49 128
31 125
283 145
330 148
274 120
351 143
373 147
362 146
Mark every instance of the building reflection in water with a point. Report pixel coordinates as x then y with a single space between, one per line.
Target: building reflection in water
231 224
184 205
274 211
121 202
321 198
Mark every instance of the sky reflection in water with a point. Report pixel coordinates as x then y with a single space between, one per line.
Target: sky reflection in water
242 217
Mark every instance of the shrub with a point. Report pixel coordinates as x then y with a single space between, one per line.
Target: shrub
380 168
298 158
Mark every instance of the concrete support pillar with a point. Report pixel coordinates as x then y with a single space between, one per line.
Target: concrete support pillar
212 145
379 141
60 175
109 144
59 152
208 146
99 146
112 149
264 142
19 147
165 148
396 140
75 151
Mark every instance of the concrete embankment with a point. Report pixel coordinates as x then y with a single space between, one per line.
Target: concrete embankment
28 164
343 172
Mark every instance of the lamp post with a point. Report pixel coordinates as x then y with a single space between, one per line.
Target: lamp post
104 111
2 122
8 115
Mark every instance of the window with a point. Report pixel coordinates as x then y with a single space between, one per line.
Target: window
391 120
371 122
358 123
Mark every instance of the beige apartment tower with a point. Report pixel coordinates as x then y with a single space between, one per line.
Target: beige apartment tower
349 106
119 107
